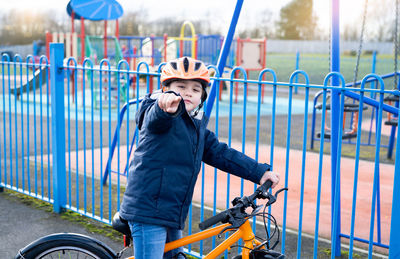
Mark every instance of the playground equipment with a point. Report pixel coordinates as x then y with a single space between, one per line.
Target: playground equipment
352 107
156 49
34 82
95 47
95 11
251 56
247 53
337 96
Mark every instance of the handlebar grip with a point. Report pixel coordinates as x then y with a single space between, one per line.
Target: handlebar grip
266 185
213 220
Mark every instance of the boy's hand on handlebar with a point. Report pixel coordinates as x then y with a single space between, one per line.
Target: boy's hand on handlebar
272 176
169 102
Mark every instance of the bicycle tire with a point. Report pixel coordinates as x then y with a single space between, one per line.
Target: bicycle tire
64 246
262 255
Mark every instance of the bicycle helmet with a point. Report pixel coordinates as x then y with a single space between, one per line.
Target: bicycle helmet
185 68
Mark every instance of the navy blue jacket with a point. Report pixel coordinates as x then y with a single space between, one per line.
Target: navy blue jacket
167 160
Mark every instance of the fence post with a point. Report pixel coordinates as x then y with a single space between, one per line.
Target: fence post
394 246
335 117
57 126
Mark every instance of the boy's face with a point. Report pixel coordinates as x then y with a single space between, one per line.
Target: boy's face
191 92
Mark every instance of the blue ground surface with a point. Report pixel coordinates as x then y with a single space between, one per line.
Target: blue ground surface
33 105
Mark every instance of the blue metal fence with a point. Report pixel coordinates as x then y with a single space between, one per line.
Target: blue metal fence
88 140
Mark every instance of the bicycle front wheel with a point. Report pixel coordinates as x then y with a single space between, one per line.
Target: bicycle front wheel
66 246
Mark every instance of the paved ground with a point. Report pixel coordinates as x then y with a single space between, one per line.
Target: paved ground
22 222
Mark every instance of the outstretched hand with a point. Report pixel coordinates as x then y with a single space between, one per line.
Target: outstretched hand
169 102
272 176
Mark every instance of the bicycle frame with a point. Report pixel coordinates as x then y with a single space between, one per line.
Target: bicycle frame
245 232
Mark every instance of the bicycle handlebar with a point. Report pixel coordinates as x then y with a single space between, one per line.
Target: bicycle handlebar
243 203
220 217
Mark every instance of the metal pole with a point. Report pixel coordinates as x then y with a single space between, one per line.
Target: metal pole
223 55
58 126
394 246
335 124
297 68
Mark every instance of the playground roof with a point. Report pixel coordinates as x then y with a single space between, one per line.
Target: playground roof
69 11
95 9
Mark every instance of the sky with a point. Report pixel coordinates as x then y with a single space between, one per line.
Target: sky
221 10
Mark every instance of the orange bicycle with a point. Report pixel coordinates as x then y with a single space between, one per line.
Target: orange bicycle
68 245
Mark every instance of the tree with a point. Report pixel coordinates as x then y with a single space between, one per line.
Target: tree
22 27
297 20
380 20
264 26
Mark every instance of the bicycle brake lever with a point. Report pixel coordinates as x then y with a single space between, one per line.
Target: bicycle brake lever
272 198
225 229
279 191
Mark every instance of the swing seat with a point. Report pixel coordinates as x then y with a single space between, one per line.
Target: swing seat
345 135
392 122
348 107
391 98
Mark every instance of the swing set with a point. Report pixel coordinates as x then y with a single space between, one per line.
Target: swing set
351 107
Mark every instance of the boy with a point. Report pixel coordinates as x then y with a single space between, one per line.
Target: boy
173 141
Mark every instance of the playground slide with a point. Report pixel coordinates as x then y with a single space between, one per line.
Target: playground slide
95 49
38 79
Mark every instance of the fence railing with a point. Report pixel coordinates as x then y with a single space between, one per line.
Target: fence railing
57 148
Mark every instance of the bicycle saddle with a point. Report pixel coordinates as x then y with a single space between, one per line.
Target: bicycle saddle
121 224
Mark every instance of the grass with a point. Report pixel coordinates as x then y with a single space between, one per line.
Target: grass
344 254
317 66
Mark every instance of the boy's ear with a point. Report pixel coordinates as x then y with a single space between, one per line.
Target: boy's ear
164 89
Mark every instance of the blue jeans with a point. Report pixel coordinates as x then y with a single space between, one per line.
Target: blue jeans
149 240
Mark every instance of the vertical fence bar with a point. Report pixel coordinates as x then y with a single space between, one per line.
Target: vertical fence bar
320 166
34 126
4 125
103 177
394 246
244 123
22 128
272 139
258 117
304 152
84 136
287 167
48 126
28 125
10 125
215 169
16 124
356 167
376 171
41 127
92 137
335 67
109 138
57 125
372 95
